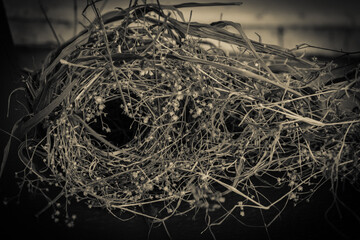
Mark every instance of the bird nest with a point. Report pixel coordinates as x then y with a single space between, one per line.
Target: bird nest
145 108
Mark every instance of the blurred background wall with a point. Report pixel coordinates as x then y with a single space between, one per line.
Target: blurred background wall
332 24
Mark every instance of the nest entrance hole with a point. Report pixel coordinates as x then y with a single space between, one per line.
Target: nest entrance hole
122 128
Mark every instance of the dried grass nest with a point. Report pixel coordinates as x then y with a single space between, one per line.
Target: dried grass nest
145 108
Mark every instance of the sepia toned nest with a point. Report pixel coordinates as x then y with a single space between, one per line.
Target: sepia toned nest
147 108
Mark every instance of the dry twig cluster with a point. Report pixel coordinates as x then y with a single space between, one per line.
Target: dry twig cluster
144 107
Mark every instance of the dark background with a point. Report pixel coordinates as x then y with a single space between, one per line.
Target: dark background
317 219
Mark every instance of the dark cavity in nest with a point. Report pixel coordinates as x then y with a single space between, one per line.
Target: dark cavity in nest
123 128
